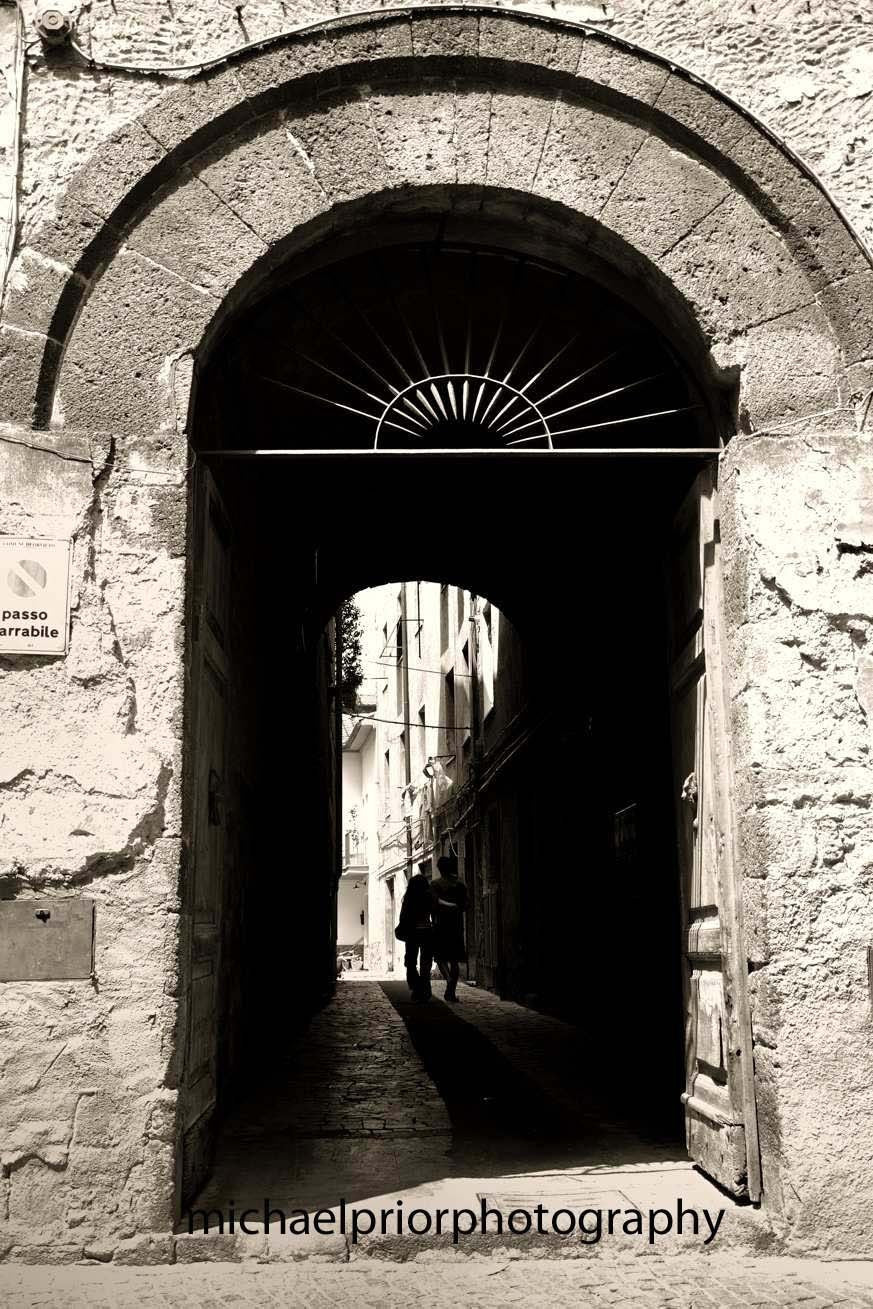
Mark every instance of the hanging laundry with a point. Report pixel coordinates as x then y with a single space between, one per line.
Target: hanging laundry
441 784
408 800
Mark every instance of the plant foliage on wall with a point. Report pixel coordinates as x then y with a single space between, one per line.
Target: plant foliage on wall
351 633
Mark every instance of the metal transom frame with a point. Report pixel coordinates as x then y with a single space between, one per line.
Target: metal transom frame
434 347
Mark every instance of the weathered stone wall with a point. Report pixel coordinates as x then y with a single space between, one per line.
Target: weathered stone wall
805 67
91 757
797 519
90 1068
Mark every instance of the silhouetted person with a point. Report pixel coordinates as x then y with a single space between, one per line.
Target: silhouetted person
450 903
415 929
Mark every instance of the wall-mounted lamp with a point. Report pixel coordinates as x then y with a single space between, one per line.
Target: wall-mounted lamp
54 21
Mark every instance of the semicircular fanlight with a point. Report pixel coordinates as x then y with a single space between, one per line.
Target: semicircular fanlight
442 347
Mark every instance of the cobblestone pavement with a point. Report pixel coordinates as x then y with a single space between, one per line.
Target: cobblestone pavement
352 1111
383 1103
681 1282
352 1077
382 1106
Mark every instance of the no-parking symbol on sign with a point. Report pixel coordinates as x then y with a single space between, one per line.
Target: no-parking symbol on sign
34 595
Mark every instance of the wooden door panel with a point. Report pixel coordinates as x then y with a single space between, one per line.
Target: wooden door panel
721 1127
208 754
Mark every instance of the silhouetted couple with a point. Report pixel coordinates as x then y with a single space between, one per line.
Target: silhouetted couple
432 927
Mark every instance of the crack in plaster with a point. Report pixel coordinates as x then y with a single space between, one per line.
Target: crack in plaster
186 281
226 205
305 158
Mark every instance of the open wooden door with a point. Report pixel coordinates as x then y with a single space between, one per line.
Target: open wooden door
207 742
719 1100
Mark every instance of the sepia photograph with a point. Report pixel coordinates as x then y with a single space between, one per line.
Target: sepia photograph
436 654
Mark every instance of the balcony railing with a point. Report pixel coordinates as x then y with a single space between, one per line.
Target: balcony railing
354 853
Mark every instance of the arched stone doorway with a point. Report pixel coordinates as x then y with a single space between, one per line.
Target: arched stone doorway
187 214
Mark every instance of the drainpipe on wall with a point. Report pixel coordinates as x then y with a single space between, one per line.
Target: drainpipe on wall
12 52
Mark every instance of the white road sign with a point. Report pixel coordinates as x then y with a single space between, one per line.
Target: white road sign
34 595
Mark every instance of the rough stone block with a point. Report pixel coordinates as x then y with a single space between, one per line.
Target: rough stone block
36 1202
339 145
261 176
209 1247
137 316
76 237
519 126
524 40
735 271
50 1253
145 1249
416 135
33 291
99 1251
627 74
661 197
386 43
791 366
24 356
150 1187
451 35
585 154
126 161
755 920
191 115
816 233
310 1248
472 130
95 1123
849 305
195 235
267 77
711 120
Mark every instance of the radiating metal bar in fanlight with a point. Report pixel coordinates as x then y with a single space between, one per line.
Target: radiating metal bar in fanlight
479 394
402 318
545 368
335 404
637 418
437 322
380 400
509 403
586 372
409 402
372 331
436 395
344 345
519 272
427 404
582 404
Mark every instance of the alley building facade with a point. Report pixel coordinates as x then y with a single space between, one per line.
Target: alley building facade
445 692
567 309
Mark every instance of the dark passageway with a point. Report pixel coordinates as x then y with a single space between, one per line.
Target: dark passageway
589 928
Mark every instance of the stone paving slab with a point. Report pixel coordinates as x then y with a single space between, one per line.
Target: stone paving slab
349 1105
646 1283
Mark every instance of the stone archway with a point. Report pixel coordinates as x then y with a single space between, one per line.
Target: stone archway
218 183
186 213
